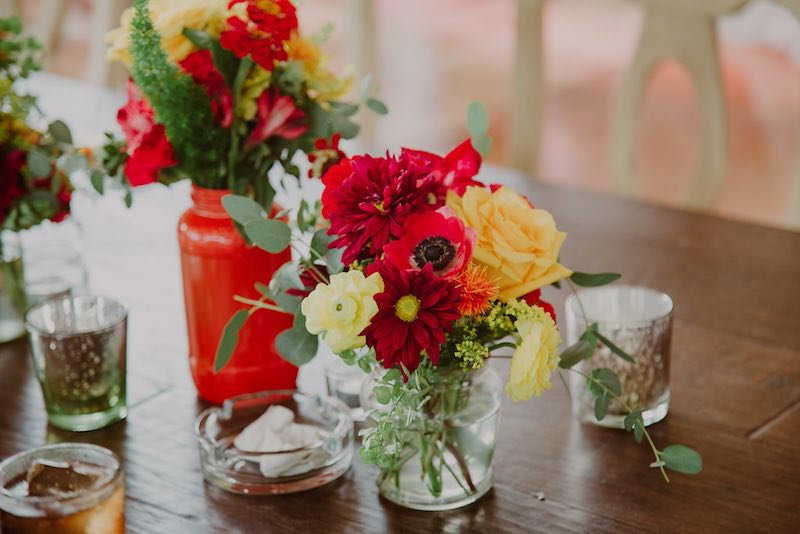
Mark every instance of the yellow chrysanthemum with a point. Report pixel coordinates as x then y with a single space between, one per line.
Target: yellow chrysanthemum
536 356
342 309
170 17
323 84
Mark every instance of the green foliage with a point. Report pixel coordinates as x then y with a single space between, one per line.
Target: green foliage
180 105
296 345
594 280
269 234
230 336
478 127
682 459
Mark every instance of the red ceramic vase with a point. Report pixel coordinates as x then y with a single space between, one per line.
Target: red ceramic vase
217 264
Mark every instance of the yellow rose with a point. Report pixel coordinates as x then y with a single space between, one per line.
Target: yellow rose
536 357
518 244
342 309
170 17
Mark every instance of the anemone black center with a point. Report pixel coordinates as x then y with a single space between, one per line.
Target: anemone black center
436 250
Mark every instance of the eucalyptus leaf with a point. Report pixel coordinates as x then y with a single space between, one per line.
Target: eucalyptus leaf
128 199
601 407
383 394
269 234
575 353
614 348
96 178
230 336
633 419
297 345
242 209
477 119
594 279
377 106
70 163
60 132
199 38
320 242
603 379
682 459
39 163
638 432
482 143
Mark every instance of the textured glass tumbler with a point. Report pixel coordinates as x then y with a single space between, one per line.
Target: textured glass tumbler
79 353
639 321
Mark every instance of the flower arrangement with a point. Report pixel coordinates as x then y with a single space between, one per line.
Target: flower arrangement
416 267
35 164
220 92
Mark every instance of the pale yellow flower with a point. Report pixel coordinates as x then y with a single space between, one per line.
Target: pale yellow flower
518 244
170 17
536 356
257 81
342 309
323 84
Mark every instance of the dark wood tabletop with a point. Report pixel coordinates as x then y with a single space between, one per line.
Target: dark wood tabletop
735 397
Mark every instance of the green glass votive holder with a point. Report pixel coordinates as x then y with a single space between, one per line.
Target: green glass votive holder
79 350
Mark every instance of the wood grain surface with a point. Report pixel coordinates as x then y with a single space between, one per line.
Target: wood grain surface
735 397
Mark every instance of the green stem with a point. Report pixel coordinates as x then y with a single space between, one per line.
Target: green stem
627 407
502 345
258 304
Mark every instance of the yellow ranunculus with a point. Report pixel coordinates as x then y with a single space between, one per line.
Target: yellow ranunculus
518 244
536 357
170 17
342 309
323 83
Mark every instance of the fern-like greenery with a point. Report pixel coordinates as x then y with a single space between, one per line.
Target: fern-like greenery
183 108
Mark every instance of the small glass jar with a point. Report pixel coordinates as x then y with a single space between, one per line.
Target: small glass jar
90 498
13 300
459 432
639 321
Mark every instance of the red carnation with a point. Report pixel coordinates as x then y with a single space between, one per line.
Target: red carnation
436 238
200 66
455 171
332 180
277 116
148 148
263 35
534 298
373 203
415 312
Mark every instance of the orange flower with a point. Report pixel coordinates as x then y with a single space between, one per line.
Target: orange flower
477 290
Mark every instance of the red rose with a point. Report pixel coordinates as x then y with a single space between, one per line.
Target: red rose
148 148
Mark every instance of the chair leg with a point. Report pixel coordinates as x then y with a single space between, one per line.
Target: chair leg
526 119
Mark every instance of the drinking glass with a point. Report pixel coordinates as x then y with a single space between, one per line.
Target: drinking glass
639 321
69 487
79 352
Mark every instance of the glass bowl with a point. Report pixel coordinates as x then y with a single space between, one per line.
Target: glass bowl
322 461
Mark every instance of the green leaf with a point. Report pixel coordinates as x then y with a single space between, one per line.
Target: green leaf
297 345
269 234
383 394
601 407
346 128
482 143
682 459
39 163
633 419
230 336
72 162
97 178
638 431
345 108
377 106
365 365
60 132
603 379
614 348
242 209
128 199
320 242
477 119
366 86
198 38
593 280
573 354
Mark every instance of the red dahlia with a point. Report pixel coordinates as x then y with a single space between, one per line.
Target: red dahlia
456 171
268 26
332 179
374 201
436 238
415 311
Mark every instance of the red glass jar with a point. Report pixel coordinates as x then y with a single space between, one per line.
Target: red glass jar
217 264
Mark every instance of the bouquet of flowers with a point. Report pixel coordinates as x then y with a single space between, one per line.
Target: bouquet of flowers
416 267
35 186
221 91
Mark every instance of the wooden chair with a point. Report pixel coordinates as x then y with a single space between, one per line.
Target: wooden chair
683 30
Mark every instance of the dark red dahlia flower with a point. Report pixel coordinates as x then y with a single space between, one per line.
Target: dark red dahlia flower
415 312
372 204
262 36
456 171
148 148
534 298
11 164
277 116
436 238
332 180
201 67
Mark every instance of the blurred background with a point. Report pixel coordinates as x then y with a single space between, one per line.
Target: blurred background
431 58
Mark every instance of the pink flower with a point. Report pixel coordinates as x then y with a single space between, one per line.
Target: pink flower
277 116
438 238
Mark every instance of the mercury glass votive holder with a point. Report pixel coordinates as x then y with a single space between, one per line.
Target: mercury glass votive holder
79 350
639 321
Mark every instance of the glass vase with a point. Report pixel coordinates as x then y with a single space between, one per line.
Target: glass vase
446 462
13 301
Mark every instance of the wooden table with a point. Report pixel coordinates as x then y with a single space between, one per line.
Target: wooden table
735 389
735 397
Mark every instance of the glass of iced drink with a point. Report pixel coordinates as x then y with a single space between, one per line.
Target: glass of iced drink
68 488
